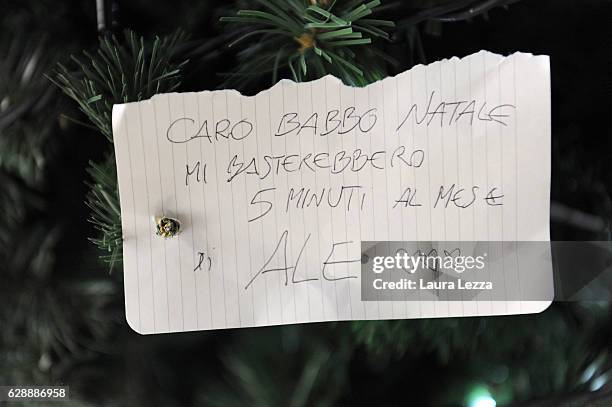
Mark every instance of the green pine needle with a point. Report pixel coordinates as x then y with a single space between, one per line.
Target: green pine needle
103 200
118 72
310 39
121 72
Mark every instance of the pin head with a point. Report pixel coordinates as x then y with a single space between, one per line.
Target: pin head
167 227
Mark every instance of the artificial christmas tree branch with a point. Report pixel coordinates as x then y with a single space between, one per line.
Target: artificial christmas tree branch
121 72
310 39
118 72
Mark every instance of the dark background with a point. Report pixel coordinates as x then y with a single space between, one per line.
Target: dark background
62 312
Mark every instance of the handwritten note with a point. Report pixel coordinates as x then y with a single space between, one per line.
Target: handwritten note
276 191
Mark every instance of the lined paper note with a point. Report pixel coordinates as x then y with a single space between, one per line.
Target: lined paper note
276 191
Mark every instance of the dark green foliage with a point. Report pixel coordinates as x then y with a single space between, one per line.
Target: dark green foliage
103 200
311 39
27 111
49 317
292 366
118 72
524 349
48 321
63 321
